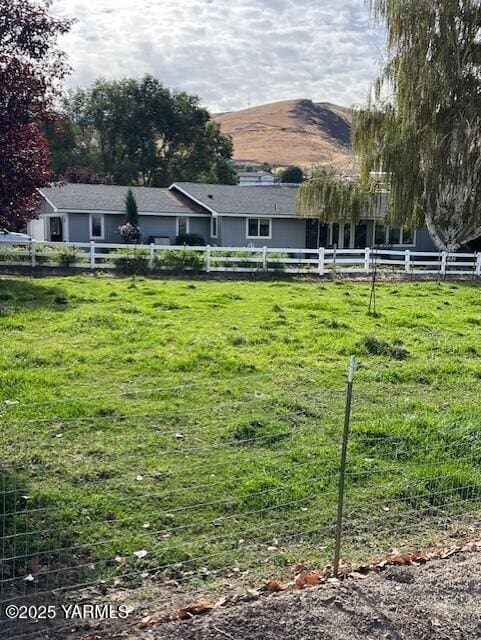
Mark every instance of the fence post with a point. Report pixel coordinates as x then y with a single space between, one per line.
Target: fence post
92 255
33 254
478 264
152 256
367 260
264 258
407 261
444 260
342 470
322 255
207 258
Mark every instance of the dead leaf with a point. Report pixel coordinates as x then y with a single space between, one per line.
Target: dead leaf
197 609
222 602
121 560
35 563
307 579
151 621
110 516
273 587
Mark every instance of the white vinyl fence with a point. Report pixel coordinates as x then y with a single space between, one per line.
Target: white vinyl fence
211 259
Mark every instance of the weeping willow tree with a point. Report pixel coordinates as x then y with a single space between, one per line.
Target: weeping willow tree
425 137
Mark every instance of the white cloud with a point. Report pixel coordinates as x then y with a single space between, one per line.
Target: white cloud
230 53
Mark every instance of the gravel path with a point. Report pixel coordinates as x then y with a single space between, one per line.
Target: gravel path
441 600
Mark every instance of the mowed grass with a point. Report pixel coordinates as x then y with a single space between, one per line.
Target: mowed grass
200 422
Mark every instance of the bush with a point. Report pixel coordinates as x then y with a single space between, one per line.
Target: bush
43 254
190 240
67 256
278 266
180 260
132 261
13 253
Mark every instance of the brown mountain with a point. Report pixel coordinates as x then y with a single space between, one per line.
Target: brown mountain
299 132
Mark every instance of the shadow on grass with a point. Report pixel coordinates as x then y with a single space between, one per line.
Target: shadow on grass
22 294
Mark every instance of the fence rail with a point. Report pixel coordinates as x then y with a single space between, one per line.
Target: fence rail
213 259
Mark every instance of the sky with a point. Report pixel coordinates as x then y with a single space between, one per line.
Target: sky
231 53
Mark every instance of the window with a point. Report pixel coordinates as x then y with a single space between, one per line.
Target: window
259 228
393 236
213 227
379 234
409 236
182 226
96 226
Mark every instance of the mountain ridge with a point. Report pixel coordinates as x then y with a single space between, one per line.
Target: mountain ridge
298 131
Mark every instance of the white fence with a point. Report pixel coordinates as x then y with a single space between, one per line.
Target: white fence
101 256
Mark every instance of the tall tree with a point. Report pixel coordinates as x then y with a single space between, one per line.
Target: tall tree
139 132
31 69
425 139
292 175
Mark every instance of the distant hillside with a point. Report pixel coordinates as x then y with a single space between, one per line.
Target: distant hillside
297 132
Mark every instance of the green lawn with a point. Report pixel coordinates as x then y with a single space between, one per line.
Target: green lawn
200 422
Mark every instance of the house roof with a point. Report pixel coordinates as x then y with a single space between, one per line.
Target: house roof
254 174
101 197
225 199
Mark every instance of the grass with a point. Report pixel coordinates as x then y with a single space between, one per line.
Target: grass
200 422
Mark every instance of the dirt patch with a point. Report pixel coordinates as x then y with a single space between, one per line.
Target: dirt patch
439 601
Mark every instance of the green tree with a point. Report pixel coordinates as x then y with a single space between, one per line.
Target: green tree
139 132
425 139
292 175
130 231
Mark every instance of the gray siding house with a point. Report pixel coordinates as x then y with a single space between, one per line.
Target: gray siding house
228 216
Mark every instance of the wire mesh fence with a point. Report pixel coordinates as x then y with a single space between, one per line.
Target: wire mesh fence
134 491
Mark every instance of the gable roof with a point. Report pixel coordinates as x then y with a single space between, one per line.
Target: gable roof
79 198
227 199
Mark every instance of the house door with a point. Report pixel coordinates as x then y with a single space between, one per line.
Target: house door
342 235
55 229
312 234
317 234
361 236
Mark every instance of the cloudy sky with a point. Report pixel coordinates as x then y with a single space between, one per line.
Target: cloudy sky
232 53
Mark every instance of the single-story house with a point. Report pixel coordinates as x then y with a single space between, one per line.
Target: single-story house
229 216
255 178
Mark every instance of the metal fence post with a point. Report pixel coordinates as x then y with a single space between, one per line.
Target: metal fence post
92 255
33 255
342 471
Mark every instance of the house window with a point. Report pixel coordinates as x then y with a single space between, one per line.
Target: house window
96 226
213 227
393 236
379 234
259 228
183 226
